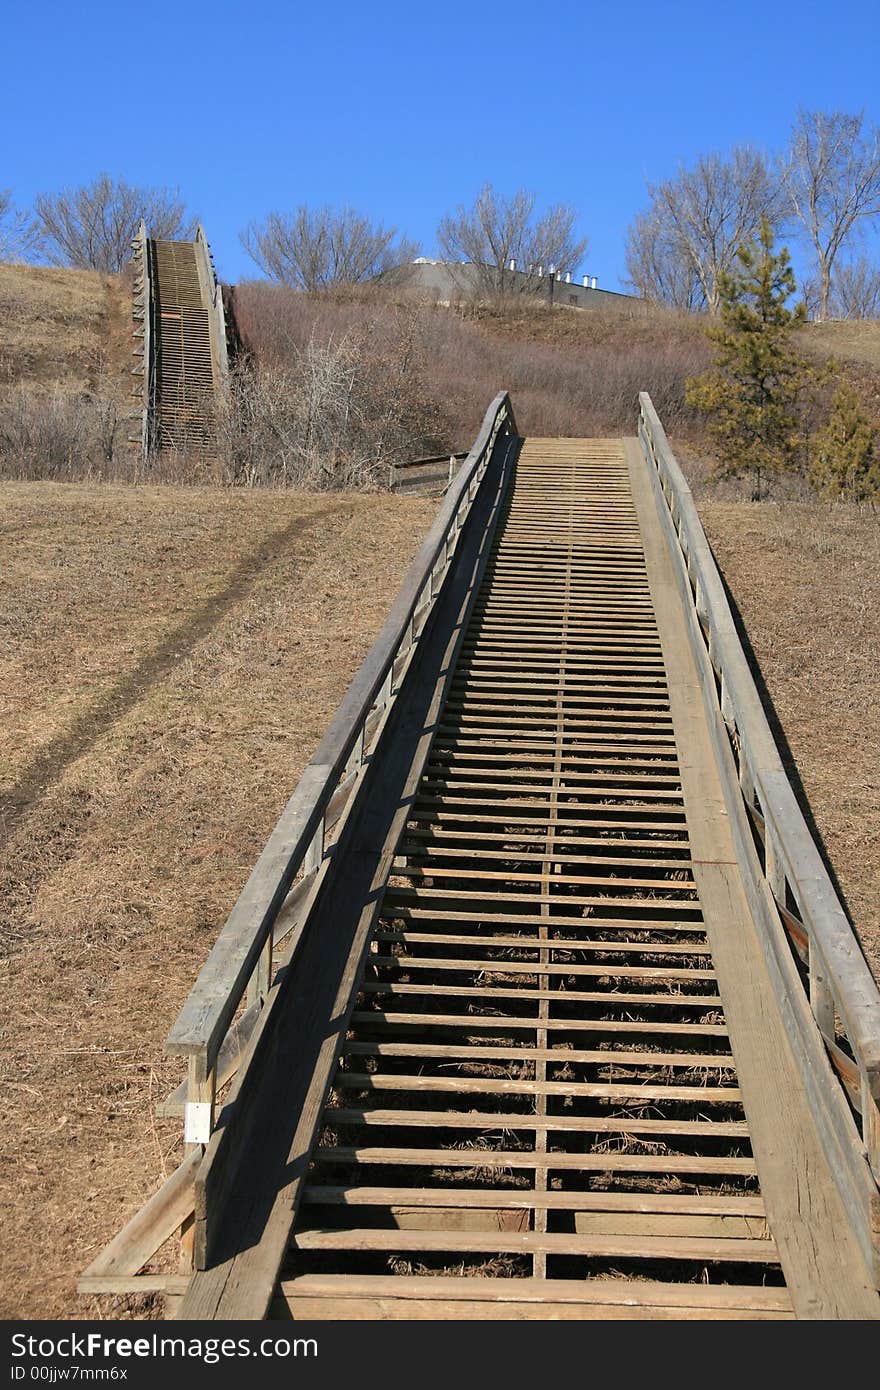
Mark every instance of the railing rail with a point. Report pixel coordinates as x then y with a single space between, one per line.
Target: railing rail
843 994
451 463
241 961
142 310
215 302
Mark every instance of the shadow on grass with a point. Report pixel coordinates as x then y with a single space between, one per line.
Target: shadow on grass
49 766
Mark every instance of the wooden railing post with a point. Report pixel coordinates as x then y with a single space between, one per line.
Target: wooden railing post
773 870
315 852
870 1086
261 980
727 710
198 1114
356 756
821 997
746 780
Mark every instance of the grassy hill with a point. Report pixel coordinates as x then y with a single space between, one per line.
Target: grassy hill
65 373
171 658
387 376
65 330
856 342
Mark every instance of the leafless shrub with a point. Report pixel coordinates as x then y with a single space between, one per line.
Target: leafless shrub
19 235
498 230
448 367
92 227
63 437
319 248
331 412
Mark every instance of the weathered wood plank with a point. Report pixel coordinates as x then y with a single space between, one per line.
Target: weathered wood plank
499 1023
604 970
96 1284
525 994
343 1306
733 1249
611 1292
607 1057
622 1203
468 1085
532 1159
484 940
585 1124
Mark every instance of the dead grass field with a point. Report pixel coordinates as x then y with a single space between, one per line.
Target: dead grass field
852 340
171 658
806 581
65 330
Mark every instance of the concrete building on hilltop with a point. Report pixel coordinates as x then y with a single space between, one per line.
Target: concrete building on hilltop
448 280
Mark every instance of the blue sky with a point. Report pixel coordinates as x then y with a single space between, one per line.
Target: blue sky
404 112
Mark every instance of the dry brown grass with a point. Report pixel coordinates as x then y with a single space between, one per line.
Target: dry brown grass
624 324
65 374
65 330
806 580
570 372
855 340
171 659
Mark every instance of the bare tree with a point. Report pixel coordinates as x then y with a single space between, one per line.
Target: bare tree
700 218
659 268
92 227
498 231
319 248
855 290
832 177
19 237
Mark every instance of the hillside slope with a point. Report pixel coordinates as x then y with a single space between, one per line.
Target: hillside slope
65 330
65 373
171 658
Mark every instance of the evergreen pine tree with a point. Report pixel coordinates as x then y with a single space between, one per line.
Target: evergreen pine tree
845 459
751 391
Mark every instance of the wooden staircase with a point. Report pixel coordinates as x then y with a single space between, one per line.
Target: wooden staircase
180 347
185 418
